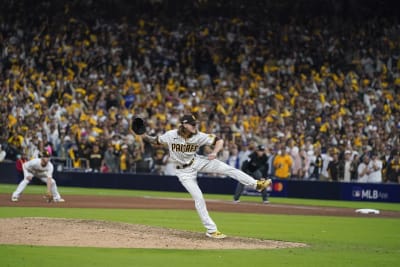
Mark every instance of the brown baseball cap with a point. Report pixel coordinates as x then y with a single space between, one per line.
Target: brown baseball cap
190 119
45 154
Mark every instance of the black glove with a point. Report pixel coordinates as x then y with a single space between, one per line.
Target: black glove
138 126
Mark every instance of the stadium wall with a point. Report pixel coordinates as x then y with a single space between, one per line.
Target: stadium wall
213 185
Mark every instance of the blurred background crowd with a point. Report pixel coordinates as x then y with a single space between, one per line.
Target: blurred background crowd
314 84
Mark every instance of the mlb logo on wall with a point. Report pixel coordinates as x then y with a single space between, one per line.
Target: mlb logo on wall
356 193
368 193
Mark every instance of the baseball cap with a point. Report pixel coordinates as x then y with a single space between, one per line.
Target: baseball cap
261 147
45 154
190 119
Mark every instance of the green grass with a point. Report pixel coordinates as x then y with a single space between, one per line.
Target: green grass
333 241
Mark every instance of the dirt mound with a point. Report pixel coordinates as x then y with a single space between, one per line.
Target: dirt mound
92 233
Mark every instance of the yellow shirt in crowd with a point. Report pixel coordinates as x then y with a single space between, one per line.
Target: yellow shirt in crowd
282 164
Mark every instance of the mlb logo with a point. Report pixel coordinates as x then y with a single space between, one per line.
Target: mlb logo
356 193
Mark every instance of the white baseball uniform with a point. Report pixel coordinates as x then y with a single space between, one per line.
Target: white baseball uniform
183 152
34 168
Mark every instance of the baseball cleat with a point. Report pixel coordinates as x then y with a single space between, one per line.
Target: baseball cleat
263 184
59 200
216 235
14 199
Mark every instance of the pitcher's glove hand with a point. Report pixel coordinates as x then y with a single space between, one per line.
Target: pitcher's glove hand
138 126
48 197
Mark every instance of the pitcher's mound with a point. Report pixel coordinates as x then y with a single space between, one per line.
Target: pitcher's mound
93 233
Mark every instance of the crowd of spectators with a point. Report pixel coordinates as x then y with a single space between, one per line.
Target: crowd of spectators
320 92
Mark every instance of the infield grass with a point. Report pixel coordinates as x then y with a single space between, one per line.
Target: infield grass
332 241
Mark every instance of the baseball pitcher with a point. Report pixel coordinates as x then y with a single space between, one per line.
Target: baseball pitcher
183 144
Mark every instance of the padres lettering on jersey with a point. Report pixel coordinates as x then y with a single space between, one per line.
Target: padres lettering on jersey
184 147
181 150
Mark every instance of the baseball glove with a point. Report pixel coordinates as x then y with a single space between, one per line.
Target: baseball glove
48 197
138 126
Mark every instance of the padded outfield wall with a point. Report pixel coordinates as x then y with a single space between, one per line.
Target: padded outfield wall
215 185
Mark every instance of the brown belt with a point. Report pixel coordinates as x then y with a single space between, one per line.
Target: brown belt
185 165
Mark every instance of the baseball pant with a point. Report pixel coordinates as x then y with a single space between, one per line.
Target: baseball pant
24 183
188 178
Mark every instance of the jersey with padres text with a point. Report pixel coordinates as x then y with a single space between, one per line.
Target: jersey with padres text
35 168
183 150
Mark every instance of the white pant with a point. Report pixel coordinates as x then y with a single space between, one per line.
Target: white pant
188 178
22 185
